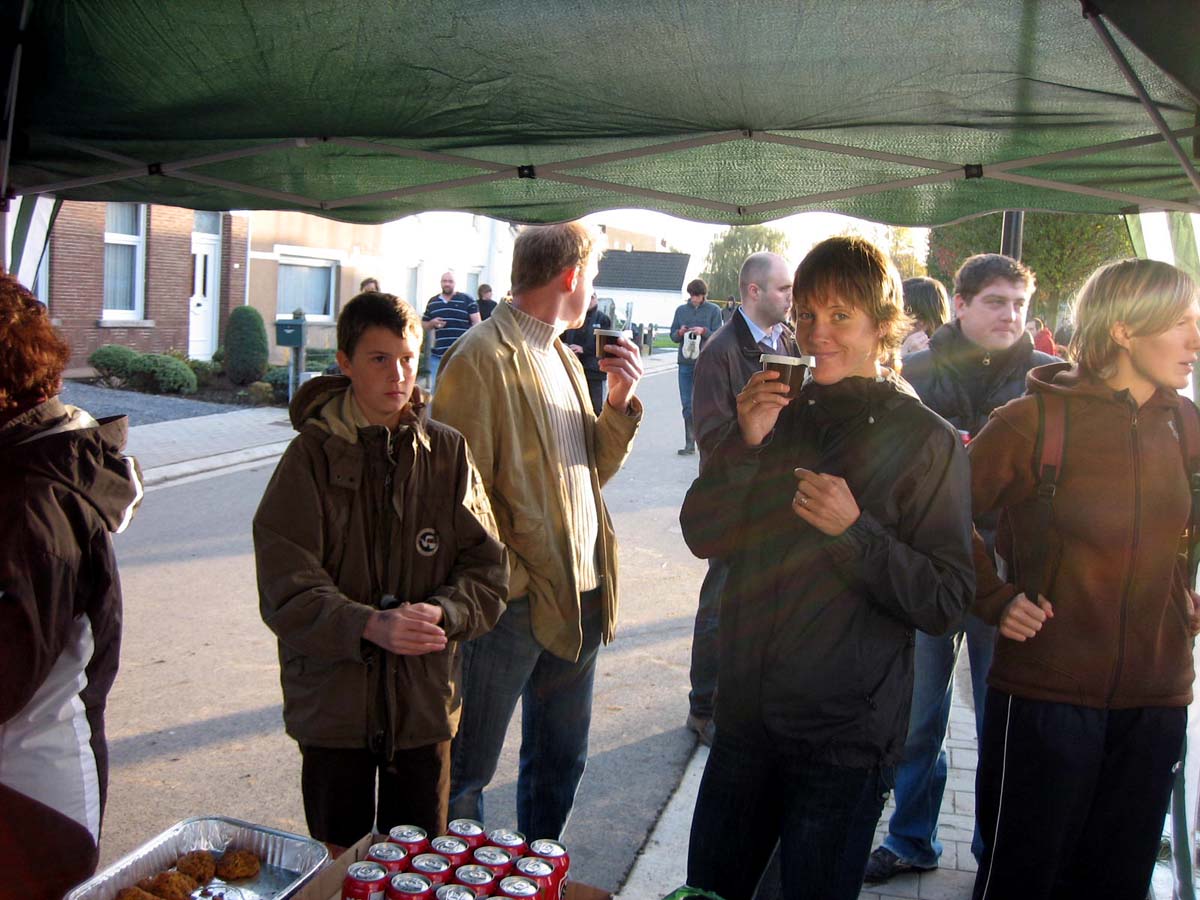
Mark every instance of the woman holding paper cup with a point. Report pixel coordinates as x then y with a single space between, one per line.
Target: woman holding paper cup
844 509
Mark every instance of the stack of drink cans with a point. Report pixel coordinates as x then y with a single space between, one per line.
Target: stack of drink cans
466 863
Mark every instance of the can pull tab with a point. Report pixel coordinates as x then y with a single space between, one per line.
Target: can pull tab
389 601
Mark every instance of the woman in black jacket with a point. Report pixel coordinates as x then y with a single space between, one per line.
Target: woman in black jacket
845 514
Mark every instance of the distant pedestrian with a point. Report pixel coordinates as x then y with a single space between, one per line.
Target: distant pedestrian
65 488
926 301
582 342
486 304
731 357
1087 698
1043 339
450 314
368 284
694 323
375 554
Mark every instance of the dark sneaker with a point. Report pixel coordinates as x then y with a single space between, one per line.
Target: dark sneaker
703 728
883 865
686 451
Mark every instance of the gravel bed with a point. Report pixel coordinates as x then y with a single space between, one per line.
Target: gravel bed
142 409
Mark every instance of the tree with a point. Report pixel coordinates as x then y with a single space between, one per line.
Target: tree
1062 250
729 250
902 248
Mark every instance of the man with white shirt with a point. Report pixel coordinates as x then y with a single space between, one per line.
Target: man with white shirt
520 398
725 365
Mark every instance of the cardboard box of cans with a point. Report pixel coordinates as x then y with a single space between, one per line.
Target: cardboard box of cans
327 884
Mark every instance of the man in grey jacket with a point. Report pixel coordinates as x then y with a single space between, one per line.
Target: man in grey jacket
694 323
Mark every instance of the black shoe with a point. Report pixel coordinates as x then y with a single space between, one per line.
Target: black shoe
689 450
703 728
883 865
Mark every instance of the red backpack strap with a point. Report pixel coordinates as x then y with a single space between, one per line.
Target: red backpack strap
1052 437
1187 424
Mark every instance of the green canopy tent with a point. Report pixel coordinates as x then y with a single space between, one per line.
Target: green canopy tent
911 112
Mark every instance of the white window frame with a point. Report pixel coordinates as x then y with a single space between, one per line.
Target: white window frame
138 241
43 283
295 259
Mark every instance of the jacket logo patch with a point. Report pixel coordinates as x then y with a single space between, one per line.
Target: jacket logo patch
428 542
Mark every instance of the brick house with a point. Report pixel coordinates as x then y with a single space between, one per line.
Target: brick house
150 277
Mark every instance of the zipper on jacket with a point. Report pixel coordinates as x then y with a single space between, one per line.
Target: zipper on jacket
1133 545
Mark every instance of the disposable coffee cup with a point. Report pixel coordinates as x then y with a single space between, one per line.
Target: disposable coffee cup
606 336
791 369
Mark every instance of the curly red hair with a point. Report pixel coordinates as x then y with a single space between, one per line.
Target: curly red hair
32 354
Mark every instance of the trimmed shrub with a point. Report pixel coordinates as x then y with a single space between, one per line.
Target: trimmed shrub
162 374
319 359
277 378
205 372
114 363
245 346
262 393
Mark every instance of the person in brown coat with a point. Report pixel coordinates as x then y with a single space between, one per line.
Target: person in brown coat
1088 692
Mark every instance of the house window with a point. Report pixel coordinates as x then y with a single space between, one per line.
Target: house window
125 261
473 283
206 222
414 285
306 283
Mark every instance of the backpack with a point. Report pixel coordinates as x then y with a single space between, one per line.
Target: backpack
1052 433
691 346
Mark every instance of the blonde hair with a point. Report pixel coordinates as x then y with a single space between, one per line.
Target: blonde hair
855 270
543 251
1146 295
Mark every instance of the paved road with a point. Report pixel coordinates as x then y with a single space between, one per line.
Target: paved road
194 718
142 409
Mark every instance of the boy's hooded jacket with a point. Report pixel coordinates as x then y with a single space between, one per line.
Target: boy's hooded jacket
351 515
65 488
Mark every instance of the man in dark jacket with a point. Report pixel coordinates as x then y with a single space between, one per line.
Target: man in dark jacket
972 366
376 556
582 342
728 361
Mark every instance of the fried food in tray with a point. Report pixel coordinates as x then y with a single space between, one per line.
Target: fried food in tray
134 893
237 864
170 885
199 864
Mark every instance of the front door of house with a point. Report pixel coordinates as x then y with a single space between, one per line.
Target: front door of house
202 329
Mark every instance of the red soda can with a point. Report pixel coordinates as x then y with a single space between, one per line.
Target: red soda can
455 892
541 871
413 839
392 857
409 886
555 854
453 848
469 830
964 436
479 879
517 886
433 866
510 840
498 859
365 881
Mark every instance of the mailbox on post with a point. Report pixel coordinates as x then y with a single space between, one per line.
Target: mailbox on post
291 332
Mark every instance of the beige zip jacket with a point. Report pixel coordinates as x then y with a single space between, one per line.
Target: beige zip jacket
487 389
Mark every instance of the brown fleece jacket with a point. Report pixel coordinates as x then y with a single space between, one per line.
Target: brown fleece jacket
1119 635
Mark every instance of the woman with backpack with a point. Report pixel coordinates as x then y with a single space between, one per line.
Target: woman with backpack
1088 693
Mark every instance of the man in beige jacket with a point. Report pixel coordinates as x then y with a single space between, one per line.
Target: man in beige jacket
520 398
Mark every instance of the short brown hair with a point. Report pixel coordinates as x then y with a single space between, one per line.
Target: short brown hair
541 252
376 309
697 288
855 270
1147 295
980 270
32 354
926 301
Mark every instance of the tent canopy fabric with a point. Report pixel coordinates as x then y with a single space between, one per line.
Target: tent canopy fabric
909 112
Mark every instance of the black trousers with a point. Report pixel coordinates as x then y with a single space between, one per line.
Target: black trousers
339 788
1070 800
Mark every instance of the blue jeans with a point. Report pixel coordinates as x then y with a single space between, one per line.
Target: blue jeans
758 790
705 649
687 375
921 777
435 363
556 712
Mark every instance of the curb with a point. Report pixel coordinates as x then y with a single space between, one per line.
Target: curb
175 471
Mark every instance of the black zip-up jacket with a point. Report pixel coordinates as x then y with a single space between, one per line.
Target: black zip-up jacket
816 632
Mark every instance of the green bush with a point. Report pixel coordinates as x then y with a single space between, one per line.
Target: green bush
205 372
319 359
261 393
114 363
162 374
277 378
245 346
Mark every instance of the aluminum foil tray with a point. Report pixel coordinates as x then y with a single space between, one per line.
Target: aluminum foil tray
288 860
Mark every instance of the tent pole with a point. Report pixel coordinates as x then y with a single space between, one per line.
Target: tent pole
10 100
1134 82
1012 233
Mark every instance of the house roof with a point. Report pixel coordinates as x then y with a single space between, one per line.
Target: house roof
642 270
